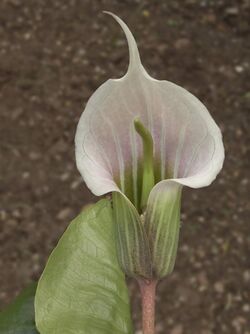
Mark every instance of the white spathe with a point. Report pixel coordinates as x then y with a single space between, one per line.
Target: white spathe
187 142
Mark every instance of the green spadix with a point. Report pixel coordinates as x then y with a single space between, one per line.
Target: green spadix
148 179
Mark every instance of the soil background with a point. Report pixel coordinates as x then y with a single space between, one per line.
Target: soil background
53 55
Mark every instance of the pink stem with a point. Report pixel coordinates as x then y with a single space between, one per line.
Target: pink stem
148 289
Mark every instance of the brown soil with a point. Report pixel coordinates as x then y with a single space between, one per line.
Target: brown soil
53 55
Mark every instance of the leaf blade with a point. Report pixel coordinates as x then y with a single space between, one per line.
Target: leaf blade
18 317
82 289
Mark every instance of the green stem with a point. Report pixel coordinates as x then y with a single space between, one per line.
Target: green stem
148 290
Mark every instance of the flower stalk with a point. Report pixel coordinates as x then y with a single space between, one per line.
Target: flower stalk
148 291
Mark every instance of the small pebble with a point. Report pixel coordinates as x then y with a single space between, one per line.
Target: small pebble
177 330
219 287
246 308
64 214
239 69
232 11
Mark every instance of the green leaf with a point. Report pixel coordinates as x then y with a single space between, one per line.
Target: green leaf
82 289
19 317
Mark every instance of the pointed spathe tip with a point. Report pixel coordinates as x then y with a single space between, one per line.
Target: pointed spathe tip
134 56
108 12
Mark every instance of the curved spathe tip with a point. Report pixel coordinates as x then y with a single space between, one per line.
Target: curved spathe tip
134 56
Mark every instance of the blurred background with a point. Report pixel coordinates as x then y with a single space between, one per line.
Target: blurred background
53 55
